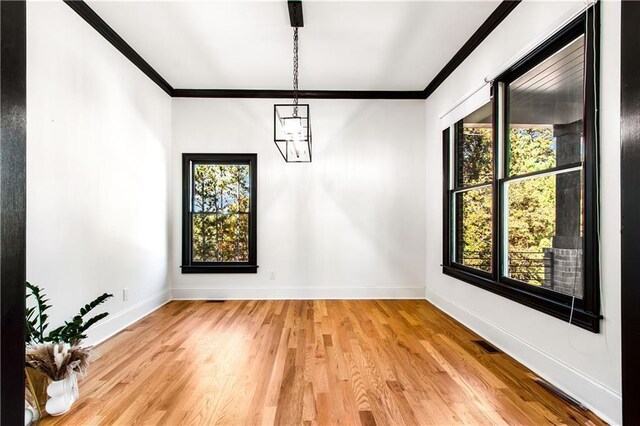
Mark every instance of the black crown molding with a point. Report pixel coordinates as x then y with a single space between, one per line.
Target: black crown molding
497 16
92 18
303 94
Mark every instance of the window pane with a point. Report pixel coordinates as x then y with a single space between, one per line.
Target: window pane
545 108
221 188
220 237
474 145
473 225
544 231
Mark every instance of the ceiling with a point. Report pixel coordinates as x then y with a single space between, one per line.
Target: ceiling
551 92
344 45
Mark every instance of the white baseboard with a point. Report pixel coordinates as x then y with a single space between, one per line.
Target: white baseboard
123 319
118 322
600 399
270 293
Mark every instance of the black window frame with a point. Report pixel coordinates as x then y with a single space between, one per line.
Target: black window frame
585 312
188 265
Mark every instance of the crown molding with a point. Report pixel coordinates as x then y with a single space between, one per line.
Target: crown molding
303 94
93 19
491 23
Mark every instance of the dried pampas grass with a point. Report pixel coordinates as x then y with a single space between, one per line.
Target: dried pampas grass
57 361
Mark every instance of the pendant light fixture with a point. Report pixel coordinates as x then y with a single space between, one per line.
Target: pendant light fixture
292 125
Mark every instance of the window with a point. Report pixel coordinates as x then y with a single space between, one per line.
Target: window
219 213
473 191
520 193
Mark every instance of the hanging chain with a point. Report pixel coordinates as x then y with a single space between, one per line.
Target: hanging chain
295 71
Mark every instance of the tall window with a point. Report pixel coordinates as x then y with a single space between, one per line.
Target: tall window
543 173
521 182
219 213
473 190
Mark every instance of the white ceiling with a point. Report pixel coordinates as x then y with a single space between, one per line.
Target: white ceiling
344 45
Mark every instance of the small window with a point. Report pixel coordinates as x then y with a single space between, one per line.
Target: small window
521 182
219 213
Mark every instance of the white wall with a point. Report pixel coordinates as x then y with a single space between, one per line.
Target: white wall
104 160
350 224
99 134
584 364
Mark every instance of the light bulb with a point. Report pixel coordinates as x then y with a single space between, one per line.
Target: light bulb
292 125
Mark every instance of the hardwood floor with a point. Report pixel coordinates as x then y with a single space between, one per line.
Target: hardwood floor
385 362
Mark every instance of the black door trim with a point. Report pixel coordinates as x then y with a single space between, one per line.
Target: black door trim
13 73
630 198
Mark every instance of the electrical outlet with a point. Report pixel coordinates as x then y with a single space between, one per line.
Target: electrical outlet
125 294
272 276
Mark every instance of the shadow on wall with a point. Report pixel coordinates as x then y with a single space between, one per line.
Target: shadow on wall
361 192
380 189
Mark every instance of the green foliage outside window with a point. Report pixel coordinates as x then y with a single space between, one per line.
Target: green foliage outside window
476 156
220 213
531 202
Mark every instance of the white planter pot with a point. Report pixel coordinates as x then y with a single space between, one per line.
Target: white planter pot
62 395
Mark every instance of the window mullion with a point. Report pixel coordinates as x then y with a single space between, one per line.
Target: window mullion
452 160
191 187
501 123
499 233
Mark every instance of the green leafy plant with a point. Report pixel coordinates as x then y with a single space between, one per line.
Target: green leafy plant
72 332
36 323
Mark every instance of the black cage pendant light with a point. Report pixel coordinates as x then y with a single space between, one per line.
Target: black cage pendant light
292 122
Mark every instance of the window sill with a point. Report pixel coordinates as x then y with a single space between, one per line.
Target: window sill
219 269
547 305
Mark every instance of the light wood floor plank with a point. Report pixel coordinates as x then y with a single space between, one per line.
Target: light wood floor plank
367 362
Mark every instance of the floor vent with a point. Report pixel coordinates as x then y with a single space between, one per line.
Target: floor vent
488 347
560 394
214 301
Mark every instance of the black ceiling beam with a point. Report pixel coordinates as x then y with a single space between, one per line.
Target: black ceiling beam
295 13
303 94
92 18
497 16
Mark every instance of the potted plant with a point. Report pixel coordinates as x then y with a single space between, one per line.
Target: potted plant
57 356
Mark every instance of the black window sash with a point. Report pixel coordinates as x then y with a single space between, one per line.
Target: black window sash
188 163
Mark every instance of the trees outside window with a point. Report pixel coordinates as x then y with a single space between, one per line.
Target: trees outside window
219 193
473 193
521 184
